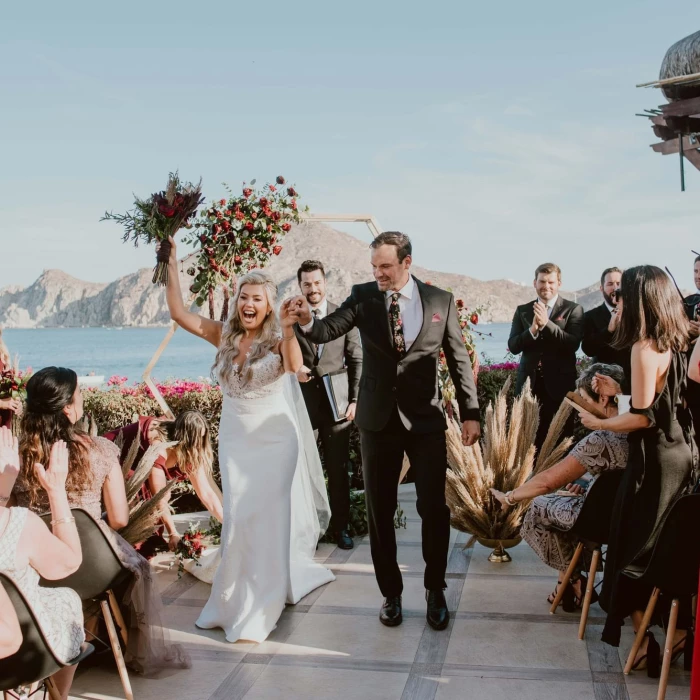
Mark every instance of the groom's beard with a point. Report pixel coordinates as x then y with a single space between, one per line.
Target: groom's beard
314 298
610 299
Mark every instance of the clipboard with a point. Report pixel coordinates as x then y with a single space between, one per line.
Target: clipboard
338 392
581 404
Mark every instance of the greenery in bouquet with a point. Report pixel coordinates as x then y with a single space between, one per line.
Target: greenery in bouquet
190 547
240 233
160 216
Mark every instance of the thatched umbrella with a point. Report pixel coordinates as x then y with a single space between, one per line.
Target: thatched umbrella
683 58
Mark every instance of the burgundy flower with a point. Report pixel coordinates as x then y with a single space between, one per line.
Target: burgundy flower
166 210
219 215
239 215
460 304
286 227
222 202
264 202
280 180
249 226
247 192
217 228
474 319
291 192
237 259
277 249
202 239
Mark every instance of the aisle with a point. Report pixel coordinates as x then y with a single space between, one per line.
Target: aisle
501 643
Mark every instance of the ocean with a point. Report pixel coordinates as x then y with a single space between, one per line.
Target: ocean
127 351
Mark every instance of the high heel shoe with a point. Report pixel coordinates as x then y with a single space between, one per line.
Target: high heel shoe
679 650
652 658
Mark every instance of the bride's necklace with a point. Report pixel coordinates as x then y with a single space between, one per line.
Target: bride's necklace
238 369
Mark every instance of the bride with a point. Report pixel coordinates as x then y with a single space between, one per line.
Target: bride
274 498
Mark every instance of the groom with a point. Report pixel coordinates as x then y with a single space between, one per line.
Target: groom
403 323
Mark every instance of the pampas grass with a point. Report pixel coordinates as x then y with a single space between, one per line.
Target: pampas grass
503 460
144 517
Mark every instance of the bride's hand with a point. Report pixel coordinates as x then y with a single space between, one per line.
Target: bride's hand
287 316
173 250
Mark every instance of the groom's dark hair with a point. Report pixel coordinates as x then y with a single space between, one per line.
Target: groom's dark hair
310 266
399 240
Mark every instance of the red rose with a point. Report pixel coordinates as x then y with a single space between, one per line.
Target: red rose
202 239
222 202
227 212
460 304
267 211
264 202
226 225
276 216
217 228
269 228
247 192
291 192
280 180
293 205
239 215
219 215
166 210
277 249
273 188
249 226
254 215
286 227
238 260
474 319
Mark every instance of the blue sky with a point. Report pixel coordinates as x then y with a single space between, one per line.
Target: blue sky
498 136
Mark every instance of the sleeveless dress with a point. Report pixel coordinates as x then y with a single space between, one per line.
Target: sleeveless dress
260 565
659 471
148 650
58 610
550 517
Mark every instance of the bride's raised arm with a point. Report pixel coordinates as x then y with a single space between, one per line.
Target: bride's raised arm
289 345
191 322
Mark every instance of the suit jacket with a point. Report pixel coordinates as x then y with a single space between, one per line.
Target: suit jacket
555 347
409 383
345 351
597 341
692 391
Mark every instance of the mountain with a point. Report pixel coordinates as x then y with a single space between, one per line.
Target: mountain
57 299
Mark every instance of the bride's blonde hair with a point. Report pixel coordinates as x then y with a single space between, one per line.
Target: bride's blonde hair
233 331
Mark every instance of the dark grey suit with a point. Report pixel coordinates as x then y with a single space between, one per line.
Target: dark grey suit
335 437
399 410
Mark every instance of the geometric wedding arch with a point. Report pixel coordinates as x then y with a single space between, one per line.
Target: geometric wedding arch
366 219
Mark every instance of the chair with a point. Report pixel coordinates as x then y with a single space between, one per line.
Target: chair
672 570
592 527
35 661
99 573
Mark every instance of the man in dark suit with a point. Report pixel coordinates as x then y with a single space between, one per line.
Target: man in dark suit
403 323
599 325
319 360
548 333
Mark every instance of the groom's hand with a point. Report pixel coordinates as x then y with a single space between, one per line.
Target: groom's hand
471 430
300 309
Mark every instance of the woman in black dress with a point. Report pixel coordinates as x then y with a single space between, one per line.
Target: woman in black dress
659 468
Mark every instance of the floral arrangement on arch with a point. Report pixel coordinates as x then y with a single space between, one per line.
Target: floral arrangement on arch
240 233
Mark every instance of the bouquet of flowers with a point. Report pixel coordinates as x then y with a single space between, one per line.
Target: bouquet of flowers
240 233
160 216
190 546
13 385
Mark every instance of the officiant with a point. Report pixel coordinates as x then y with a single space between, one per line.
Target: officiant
329 371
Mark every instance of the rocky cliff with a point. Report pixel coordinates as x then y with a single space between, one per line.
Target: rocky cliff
57 299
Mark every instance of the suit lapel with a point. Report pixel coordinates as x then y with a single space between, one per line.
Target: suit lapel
425 298
382 315
556 309
330 308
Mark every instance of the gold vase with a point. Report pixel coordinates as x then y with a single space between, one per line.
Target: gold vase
499 554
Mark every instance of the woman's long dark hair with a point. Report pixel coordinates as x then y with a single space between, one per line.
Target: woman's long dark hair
651 310
49 391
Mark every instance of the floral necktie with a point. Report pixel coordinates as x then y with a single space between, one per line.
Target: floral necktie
397 325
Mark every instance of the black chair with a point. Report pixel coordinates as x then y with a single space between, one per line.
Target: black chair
99 573
592 527
673 571
35 661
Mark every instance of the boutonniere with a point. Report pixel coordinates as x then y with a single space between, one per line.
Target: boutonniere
560 318
436 318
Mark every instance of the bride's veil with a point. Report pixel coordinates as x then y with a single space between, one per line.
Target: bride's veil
310 509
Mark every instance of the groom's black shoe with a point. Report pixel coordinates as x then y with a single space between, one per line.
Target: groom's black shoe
438 616
390 614
344 540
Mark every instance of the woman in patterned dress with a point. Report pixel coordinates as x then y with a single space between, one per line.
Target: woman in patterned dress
547 523
54 406
28 551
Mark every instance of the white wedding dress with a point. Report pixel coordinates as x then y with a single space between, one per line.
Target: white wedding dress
274 502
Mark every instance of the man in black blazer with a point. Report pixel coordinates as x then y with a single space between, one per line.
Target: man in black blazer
403 323
548 333
319 360
599 326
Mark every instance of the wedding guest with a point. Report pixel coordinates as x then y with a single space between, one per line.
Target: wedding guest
54 406
10 632
319 360
659 468
548 333
190 459
403 325
692 310
600 323
549 519
8 406
29 550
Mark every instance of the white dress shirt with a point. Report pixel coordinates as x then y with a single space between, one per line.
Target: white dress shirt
550 305
410 310
320 311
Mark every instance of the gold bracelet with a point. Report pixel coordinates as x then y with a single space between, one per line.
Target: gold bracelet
509 499
63 520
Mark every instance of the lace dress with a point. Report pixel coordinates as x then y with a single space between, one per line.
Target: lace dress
58 610
262 562
550 517
148 650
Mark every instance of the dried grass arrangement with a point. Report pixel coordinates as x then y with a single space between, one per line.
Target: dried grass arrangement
504 460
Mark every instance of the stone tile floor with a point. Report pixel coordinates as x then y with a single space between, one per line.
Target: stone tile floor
501 643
